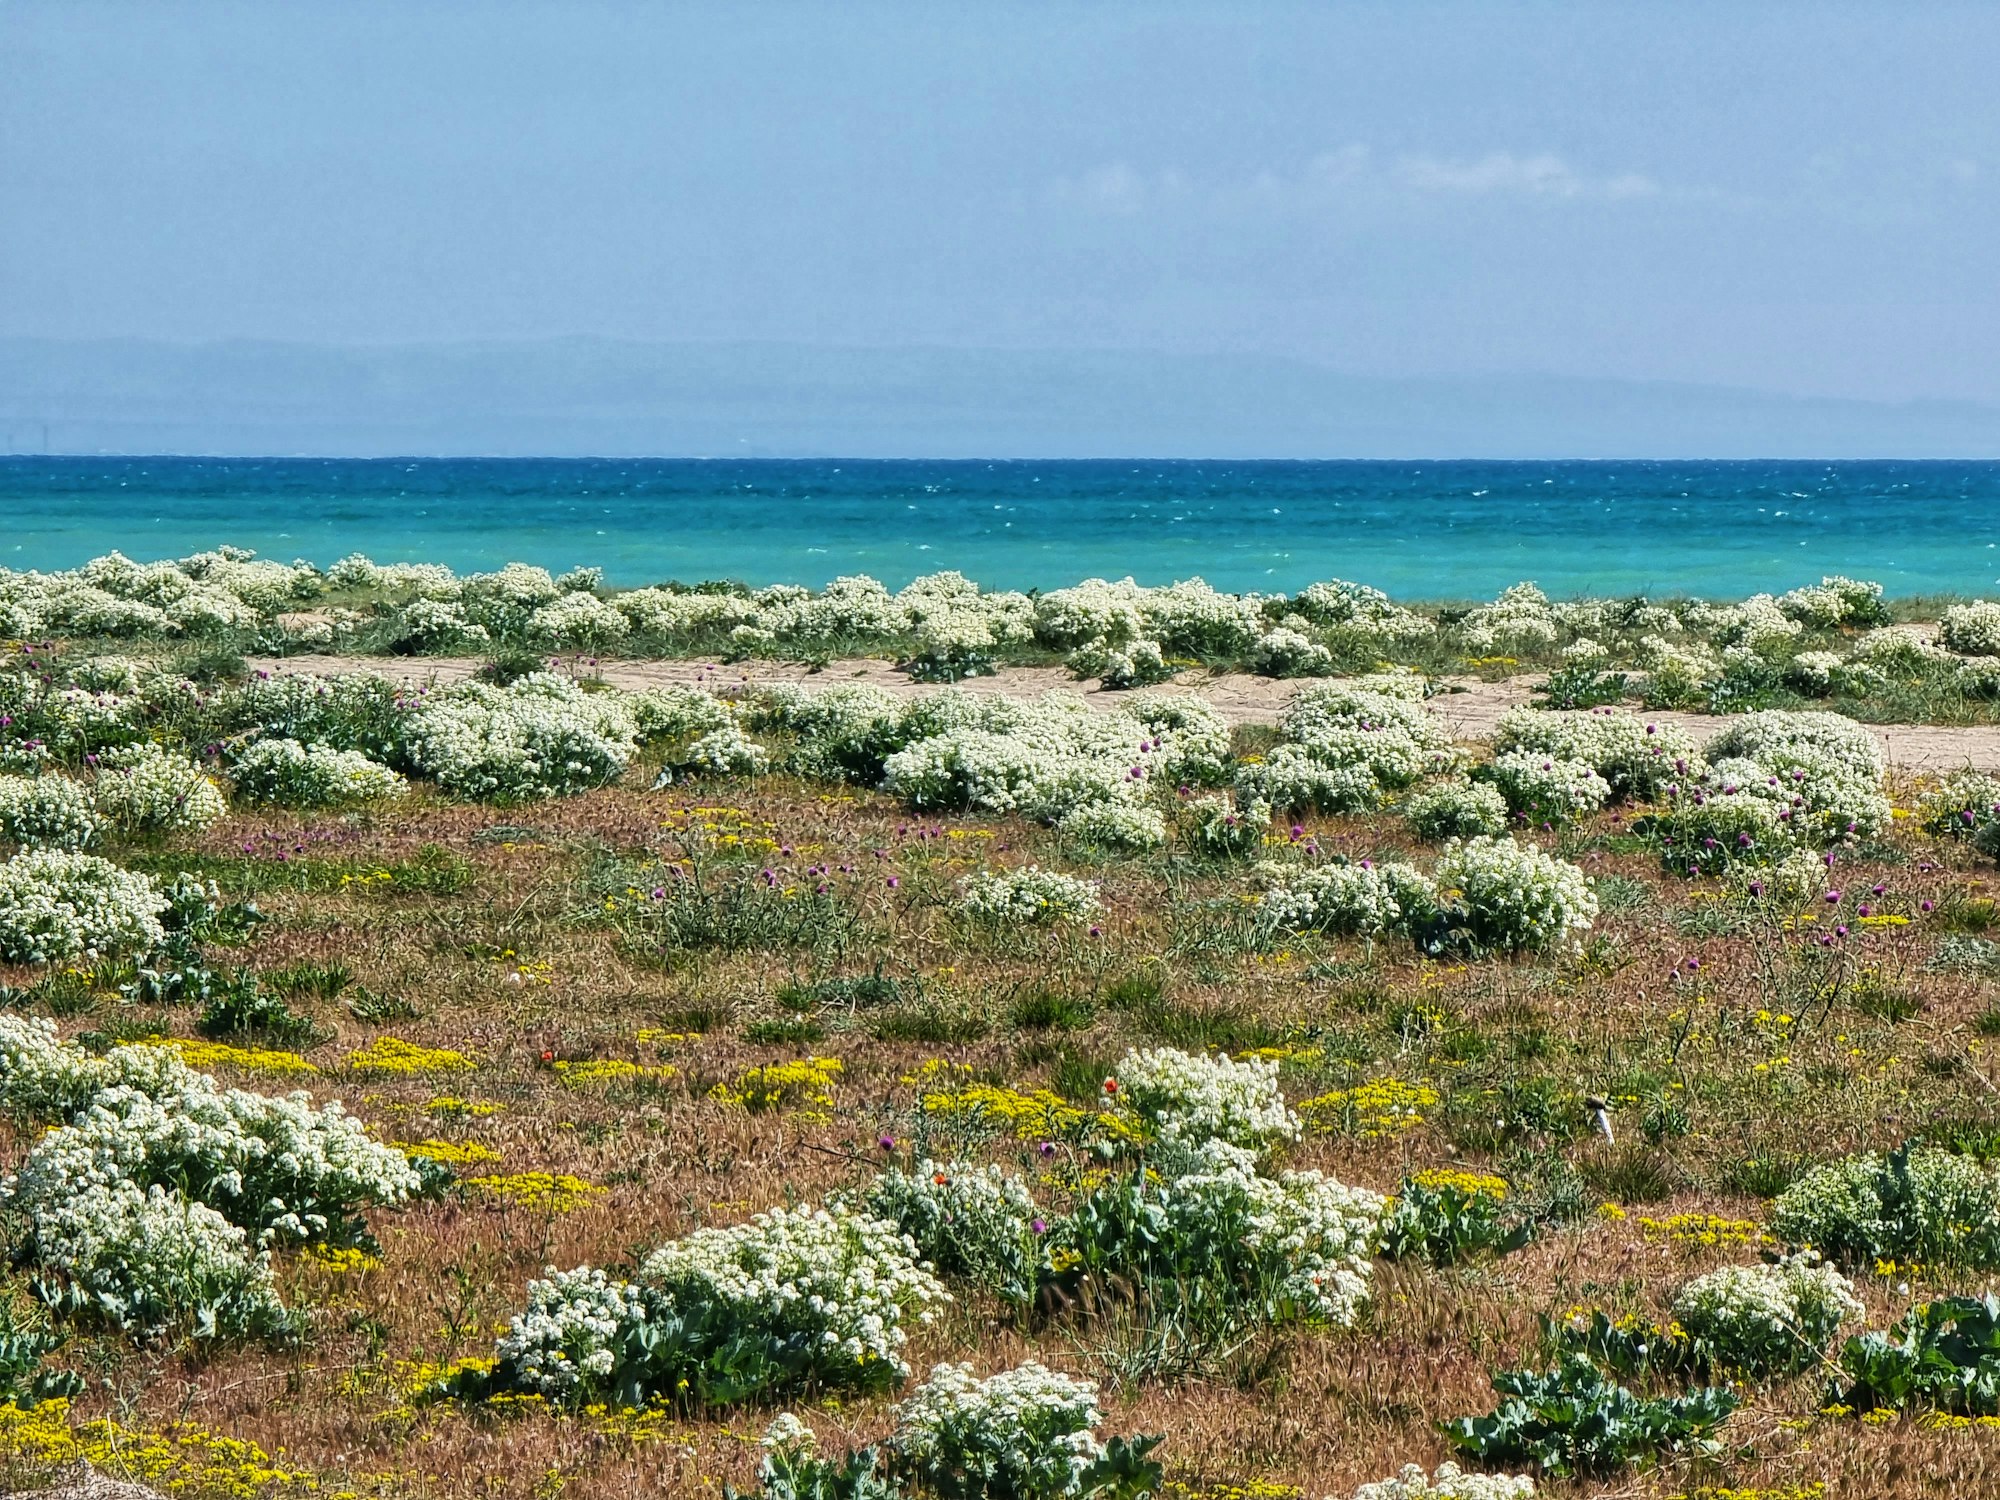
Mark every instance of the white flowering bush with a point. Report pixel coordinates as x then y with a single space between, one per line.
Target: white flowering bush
56 905
540 736
577 619
1835 601
727 751
1289 653
1295 777
1456 809
1029 895
1543 788
1364 900
1449 1483
1130 664
349 711
1121 826
1180 1099
1636 757
570 1338
1765 1320
1972 629
1022 1432
966 1220
284 773
1512 897
1519 619
47 812
151 791
675 713
148 1260
1295 1247
436 625
1924 1204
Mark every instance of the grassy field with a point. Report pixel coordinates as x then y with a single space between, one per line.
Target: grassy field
580 1050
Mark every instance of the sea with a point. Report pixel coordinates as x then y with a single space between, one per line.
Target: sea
1420 530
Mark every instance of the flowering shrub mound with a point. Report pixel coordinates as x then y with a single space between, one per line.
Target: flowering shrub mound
1509 897
1972 629
540 736
1180 1100
1349 742
1635 757
46 812
285 773
979 1223
1456 809
1027 1431
1921 1203
1444 1216
157 1205
795 1296
56 905
1029 895
1364 900
352 711
151 791
1959 807
1764 1320
1545 789
1294 1247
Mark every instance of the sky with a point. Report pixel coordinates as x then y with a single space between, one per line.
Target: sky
1798 198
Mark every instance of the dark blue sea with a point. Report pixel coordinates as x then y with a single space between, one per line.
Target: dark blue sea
1419 530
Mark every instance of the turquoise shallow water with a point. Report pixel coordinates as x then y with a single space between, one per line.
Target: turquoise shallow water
1419 530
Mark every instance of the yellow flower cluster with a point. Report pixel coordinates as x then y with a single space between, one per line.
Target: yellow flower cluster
1470 1184
392 1056
1254 1489
242 1059
1814 1490
610 1071
349 1262
449 1153
805 1085
1380 1107
184 1459
652 1036
1038 1116
1704 1231
545 1192
450 1106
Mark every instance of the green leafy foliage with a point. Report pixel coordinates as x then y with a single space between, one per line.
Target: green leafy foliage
1575 1419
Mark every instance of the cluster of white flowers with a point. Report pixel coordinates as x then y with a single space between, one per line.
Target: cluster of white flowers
727 751
47 812
1519 619
1348 742
436 625
149 790
1284 652
1635 757
1835 601
964 1219
1029 895
112 595
1180 1099
1972 629
348 711
1546 788
1456 809
1122 826
1448 1483
577 620
1820 773
56 905
1313 1236
1024 1431
215 1177
1363 900
1767 1319
566 1335
285 773
835 1281
675 713
1864 1206
540 736
1515 896
1960 805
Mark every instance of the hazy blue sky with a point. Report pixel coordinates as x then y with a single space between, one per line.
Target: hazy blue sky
1802 198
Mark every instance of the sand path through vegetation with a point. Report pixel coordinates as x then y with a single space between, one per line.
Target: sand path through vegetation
1472 708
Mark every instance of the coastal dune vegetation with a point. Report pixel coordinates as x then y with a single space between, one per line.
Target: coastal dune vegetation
518 1084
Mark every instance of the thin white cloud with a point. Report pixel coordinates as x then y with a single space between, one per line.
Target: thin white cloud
1117 188
1544 175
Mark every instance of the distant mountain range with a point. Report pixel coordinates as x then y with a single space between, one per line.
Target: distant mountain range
589 396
